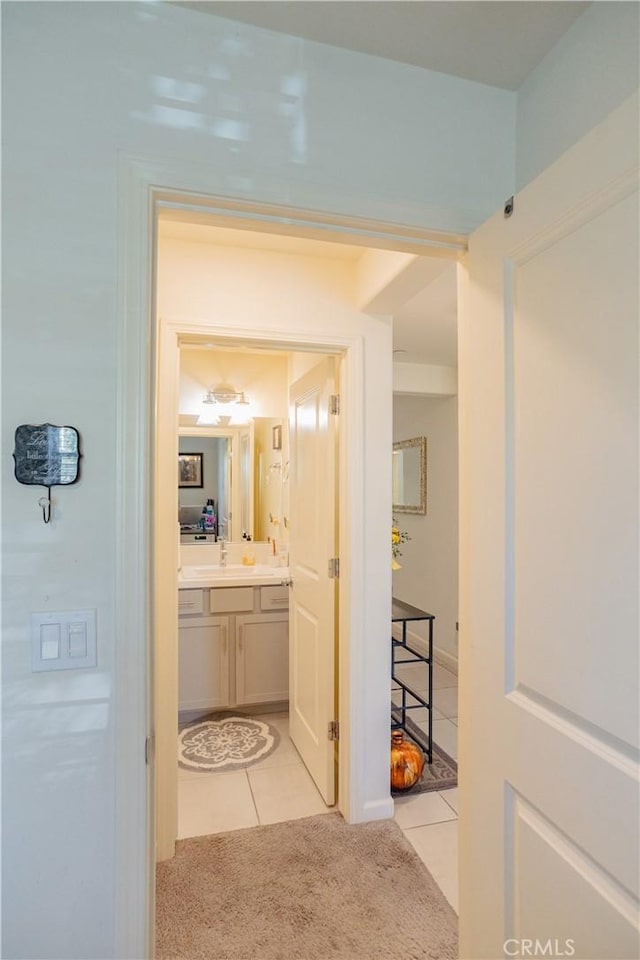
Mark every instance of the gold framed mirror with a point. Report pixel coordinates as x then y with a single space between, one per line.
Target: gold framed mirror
410 476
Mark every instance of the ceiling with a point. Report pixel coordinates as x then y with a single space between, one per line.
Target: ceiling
425 330
497 43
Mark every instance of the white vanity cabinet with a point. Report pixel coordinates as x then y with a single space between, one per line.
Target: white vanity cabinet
262 657
203 679
233 647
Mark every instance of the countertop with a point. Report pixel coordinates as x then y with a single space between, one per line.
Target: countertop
233 575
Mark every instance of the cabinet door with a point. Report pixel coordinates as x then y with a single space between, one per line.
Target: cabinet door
262 658
204 663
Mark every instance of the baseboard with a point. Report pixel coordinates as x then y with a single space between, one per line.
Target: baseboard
377 810
443 657
245 709
446 659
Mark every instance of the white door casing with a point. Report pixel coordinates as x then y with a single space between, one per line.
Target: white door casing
312 596
548 374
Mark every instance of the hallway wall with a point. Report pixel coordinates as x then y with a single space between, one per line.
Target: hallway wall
429 575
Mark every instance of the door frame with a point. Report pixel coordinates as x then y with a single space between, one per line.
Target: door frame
143 185
349 351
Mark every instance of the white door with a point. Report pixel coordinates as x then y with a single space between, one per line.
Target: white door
549 563
312 539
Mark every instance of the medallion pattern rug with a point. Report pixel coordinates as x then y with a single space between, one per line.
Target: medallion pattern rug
225 743
311 889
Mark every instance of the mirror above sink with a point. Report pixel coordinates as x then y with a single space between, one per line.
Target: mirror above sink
248 422
244 472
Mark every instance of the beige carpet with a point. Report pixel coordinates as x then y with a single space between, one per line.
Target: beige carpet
312 889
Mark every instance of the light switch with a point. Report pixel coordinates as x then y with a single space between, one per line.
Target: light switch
77 639
63 640
49 641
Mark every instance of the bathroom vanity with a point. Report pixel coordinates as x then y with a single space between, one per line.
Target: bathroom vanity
233 637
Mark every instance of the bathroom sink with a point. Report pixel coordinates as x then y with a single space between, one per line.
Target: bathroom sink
231 570
234 574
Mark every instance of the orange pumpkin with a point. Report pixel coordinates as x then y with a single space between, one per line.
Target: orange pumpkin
407 762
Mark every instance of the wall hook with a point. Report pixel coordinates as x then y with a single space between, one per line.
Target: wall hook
45 503
45 456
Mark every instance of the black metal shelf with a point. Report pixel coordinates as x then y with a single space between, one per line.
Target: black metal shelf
400 719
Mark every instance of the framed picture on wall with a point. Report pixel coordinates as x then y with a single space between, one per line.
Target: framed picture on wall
189 470
277 437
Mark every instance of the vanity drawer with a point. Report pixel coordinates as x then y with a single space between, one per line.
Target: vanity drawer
231 599
190 601
274 598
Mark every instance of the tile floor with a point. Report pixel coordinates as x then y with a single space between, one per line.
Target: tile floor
279 788
429 821
275 789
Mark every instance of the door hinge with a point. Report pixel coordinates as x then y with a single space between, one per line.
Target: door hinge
149 749
334 568
333 731
334 404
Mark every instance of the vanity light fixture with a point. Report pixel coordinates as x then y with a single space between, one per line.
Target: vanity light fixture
223 393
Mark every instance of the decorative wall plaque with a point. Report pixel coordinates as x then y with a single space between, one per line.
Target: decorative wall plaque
47 456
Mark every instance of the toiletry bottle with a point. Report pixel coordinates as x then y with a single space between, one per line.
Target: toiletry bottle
210 519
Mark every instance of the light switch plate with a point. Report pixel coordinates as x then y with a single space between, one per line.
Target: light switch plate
49 641
75 631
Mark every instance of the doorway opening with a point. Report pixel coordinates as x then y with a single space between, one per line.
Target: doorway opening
242 760
234 279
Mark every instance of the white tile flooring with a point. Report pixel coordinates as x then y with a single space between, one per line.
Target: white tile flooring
429 821
275 789
279 788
